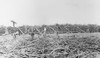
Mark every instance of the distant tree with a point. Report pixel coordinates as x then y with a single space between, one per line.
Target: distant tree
2 30
11 29
92 28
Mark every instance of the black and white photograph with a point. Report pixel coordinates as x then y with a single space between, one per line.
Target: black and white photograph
49 28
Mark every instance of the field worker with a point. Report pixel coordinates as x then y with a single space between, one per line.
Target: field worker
45 30
32 35
13 23
16 33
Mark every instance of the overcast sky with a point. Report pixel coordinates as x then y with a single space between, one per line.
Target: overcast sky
37 12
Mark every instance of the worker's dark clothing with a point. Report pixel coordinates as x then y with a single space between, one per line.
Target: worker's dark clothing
32 34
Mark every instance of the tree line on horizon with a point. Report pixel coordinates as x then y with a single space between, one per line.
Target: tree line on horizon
60 28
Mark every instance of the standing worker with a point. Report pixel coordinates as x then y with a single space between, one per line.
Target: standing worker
32 35
14 26
44 32
13 23
31 32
